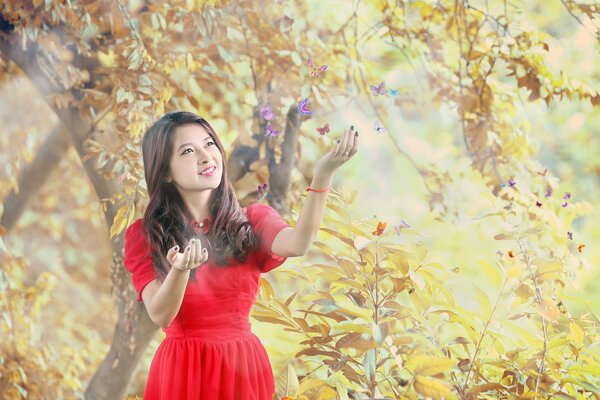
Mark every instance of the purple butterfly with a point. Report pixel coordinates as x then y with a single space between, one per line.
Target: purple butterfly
271 131
564 205
548 192
267 112
402 225
262 188
303 108
378 90
567 196
512 183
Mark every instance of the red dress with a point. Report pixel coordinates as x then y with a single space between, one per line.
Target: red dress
210 352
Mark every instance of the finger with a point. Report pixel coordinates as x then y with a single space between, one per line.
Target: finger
339 150
354 149
186 257
172 254
345 145
193 246
199 254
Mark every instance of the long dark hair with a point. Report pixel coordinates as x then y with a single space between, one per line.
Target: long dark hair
168 222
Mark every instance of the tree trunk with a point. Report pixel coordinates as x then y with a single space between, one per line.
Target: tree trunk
134 329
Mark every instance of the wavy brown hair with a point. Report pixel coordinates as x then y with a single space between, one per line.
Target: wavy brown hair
166 219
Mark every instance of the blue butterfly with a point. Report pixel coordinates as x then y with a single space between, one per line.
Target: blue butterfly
393 92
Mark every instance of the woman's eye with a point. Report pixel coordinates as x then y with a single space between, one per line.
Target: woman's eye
185 151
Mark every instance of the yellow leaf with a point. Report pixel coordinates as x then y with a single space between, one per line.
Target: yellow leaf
576 334
433 388
428 365
267 289
287 383
122 220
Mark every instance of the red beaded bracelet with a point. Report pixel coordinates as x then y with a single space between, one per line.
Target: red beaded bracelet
308 189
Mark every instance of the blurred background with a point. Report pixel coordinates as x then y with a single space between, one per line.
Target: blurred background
470 205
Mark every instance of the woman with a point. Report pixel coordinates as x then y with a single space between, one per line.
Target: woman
196 258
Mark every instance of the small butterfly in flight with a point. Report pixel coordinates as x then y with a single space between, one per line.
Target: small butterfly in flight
565 204
314 69
379 128
510 254
267 112
499 253
302 107
262 188
537 203
543 173
567 196
393 92
271 132
511 183
548 192
402 225
380 228
324 129
580 247
378 90
570 235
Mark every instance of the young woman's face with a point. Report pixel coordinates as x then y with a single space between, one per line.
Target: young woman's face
193 151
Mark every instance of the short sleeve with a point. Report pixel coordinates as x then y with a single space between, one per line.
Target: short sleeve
266 223
138 257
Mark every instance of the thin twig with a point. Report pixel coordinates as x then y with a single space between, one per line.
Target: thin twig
483 334
544 329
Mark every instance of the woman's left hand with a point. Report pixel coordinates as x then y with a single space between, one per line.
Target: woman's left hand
343 150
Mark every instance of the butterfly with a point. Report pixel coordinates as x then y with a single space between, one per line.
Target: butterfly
580 247
543 173
379 128
315 70
262 188
548 192
570 235
271 132
499 253
267 112
511 183
324 129
402 225
537 203
567 196
393 92
564 205
510 254
378 90
303 108
380 228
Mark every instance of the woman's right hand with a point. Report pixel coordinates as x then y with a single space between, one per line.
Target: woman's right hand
193 256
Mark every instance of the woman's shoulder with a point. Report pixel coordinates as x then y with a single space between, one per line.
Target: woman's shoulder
136 226
256 210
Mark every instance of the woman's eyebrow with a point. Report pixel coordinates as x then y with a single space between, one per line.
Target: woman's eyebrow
191 144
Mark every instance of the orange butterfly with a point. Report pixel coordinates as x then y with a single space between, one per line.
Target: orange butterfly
510 254
580 247
380 228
